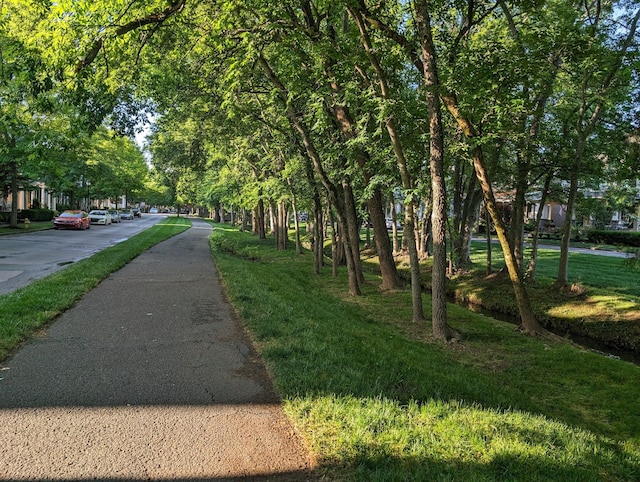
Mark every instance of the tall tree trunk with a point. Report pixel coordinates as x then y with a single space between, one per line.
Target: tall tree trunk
281 227
296 221
245 220
466 201
354 229
394 222
407 184
529 322
305 136
318 234
425 231
259 220
531 269
13 220
441 328
388 270
517 217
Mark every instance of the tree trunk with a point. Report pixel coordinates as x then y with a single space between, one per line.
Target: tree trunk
531 269
282 234
409 228
394 223
466 201
354 230
441 328
302 130
489 251
388 270
529 323
259 221
13 220
517 216
244 226
425 240
318 235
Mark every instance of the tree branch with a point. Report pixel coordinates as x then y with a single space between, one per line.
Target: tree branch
153 19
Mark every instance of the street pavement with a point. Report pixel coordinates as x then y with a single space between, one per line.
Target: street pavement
28 256
150 376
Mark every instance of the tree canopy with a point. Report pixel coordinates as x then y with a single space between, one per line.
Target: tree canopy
334 107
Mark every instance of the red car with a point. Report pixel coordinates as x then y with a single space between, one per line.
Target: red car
72 220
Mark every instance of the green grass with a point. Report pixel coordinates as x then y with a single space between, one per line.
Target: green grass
34 226
612 274
377 399
27 309
604 306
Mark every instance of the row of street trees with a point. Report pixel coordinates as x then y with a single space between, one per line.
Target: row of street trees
328 106
52 132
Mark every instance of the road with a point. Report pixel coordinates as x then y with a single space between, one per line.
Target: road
26 257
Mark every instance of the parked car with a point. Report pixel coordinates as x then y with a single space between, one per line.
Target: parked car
115 215
100 216
136 212
389 222
153 211
126 214
73 219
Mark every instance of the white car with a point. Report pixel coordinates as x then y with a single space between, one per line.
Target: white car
99 216
153 211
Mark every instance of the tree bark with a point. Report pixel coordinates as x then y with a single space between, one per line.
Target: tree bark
527 318
305 136
13 220
531 269
441 328
407 184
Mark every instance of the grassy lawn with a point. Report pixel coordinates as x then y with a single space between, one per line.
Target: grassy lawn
34 226
25 310
605 305
377 399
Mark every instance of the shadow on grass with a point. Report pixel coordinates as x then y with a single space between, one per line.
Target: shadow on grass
561 414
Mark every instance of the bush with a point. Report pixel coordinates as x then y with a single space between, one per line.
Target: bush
36 214
621 238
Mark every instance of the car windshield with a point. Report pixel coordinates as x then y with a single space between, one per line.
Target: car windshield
70 215
98 212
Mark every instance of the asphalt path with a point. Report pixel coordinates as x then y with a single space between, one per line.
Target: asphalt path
594 250
149 377
26 257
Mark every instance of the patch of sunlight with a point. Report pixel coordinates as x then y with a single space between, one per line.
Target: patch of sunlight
594 306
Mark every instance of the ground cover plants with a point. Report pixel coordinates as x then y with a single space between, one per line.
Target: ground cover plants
377 399
29 308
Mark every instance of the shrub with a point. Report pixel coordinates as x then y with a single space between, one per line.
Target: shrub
622 238
36 214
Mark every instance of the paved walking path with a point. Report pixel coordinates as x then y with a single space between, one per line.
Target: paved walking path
149 377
